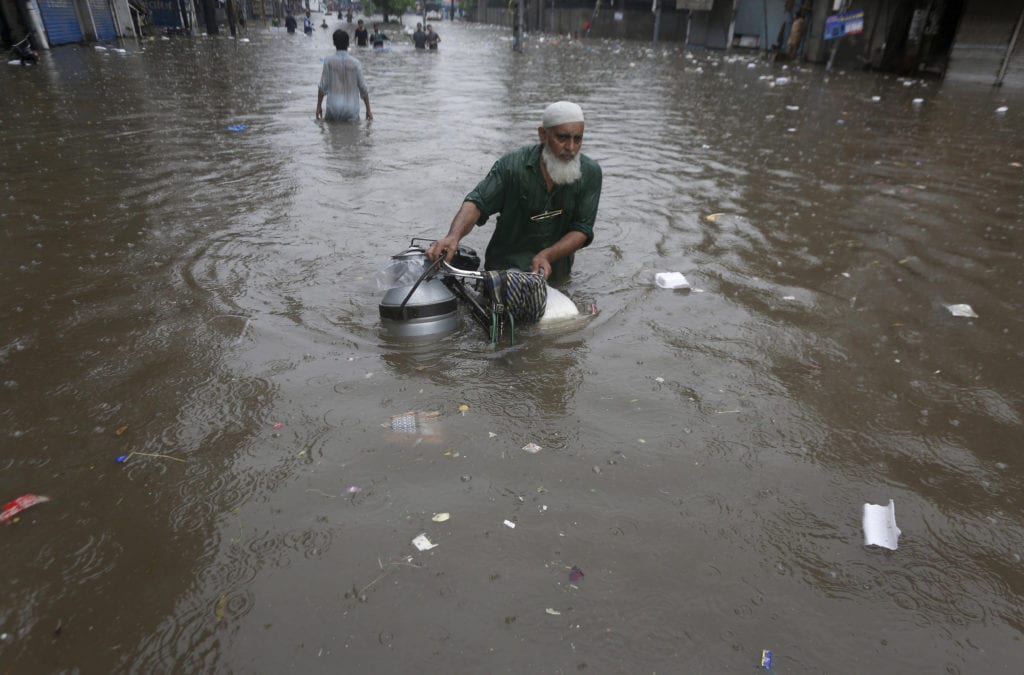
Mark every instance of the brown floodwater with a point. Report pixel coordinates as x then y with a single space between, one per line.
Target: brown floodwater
206 299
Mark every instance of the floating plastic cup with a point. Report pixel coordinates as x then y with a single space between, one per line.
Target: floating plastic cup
671 280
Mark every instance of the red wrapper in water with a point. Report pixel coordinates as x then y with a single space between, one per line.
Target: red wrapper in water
16 506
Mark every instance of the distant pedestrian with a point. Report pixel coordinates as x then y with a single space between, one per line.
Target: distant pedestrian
795 35
419 38
290 23
362 36
342 84
432 37
307 24
378 37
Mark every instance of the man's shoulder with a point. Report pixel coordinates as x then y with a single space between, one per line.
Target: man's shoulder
589 166
523 154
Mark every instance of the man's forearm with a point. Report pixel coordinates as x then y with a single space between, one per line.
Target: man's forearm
464 220
567 245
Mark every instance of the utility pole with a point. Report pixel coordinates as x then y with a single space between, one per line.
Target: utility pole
1009 50
656 8
210 17
230 10
765 36
835 45
517 28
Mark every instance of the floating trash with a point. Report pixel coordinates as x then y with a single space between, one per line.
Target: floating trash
713 217
792 107
121 459
422 543
510 524
441 517
463 408
962 310
880 525
766 659
1001 109
575 574
237 127
918 101
16 506
876 99
532 448
353 489
552 612
421 423
671 280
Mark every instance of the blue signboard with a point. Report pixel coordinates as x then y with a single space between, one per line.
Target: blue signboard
165 13
61 21
847 23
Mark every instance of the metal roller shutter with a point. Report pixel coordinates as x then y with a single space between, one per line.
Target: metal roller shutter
983 39
61 21
103 18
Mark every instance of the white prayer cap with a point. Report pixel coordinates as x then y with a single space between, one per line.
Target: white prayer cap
561 112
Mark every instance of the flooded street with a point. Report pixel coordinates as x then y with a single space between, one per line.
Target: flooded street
206 299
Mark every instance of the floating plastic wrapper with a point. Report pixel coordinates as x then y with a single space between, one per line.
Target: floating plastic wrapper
671 280
422 543
962 310
422 424
402 271
880 526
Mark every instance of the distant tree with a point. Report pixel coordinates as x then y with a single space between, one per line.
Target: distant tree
388 7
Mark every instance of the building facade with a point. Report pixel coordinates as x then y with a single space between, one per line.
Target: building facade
963 39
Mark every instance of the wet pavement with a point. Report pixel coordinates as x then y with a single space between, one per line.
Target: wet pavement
181 291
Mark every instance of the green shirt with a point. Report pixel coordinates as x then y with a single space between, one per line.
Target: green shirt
515 189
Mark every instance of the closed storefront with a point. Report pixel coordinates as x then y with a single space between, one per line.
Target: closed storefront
103 19
61 21
988 43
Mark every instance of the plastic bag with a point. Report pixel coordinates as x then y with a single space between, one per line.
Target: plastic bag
403 271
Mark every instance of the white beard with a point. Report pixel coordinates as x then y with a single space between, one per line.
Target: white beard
561 172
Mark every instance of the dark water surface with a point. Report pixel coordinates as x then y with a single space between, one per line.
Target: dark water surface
174 288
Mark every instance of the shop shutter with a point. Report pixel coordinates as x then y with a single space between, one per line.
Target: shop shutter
61 21
104 19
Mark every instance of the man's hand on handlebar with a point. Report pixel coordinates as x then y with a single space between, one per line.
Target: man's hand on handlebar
449 245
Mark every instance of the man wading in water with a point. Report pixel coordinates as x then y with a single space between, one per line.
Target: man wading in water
546 195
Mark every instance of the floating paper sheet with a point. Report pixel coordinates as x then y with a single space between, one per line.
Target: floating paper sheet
880 526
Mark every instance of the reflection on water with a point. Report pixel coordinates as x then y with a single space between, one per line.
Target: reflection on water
176 288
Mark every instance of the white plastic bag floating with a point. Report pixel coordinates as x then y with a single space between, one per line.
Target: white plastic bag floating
880 526
962 310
